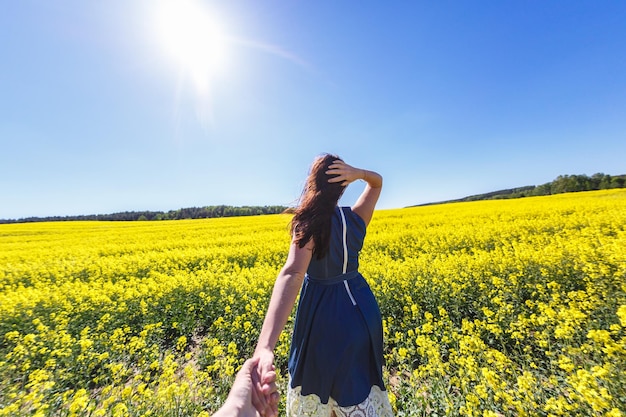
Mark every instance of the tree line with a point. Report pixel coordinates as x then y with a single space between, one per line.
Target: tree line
183 213
562 184
570 184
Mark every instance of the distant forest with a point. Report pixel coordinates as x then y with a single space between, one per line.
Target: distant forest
184 213
562 184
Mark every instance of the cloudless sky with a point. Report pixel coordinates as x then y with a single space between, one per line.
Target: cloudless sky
444 98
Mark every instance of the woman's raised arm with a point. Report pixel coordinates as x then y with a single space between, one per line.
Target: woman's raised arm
346 174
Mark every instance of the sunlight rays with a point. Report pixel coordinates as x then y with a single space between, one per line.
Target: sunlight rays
194 38
196 41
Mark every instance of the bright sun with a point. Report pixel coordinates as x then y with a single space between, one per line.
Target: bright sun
192 36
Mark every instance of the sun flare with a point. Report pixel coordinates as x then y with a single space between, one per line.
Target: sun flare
193 37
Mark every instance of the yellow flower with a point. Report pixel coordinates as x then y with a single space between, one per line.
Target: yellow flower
487 306
621 313
181 343
79 402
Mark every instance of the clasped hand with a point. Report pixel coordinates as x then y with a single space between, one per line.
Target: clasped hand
254 392
265 395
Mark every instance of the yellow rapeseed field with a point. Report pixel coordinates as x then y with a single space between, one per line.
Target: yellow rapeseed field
492 308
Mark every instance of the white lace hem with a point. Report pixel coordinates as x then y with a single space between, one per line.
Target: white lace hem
375 405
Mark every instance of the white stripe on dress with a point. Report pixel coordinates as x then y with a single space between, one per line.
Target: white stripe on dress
345 255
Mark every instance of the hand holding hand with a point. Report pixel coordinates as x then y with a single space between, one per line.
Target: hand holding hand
240 399
265 394
240 396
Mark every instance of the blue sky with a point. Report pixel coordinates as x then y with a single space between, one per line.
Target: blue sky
444 98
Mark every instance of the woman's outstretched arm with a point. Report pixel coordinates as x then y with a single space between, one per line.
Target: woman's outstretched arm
286 289
346 174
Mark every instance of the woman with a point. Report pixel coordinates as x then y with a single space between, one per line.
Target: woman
335 363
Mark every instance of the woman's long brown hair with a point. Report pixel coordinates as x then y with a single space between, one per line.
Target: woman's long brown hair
312 218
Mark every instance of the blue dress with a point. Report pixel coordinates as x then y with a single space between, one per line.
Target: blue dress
336 357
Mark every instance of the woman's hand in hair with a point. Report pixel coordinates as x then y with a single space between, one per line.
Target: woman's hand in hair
344 173
347 174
